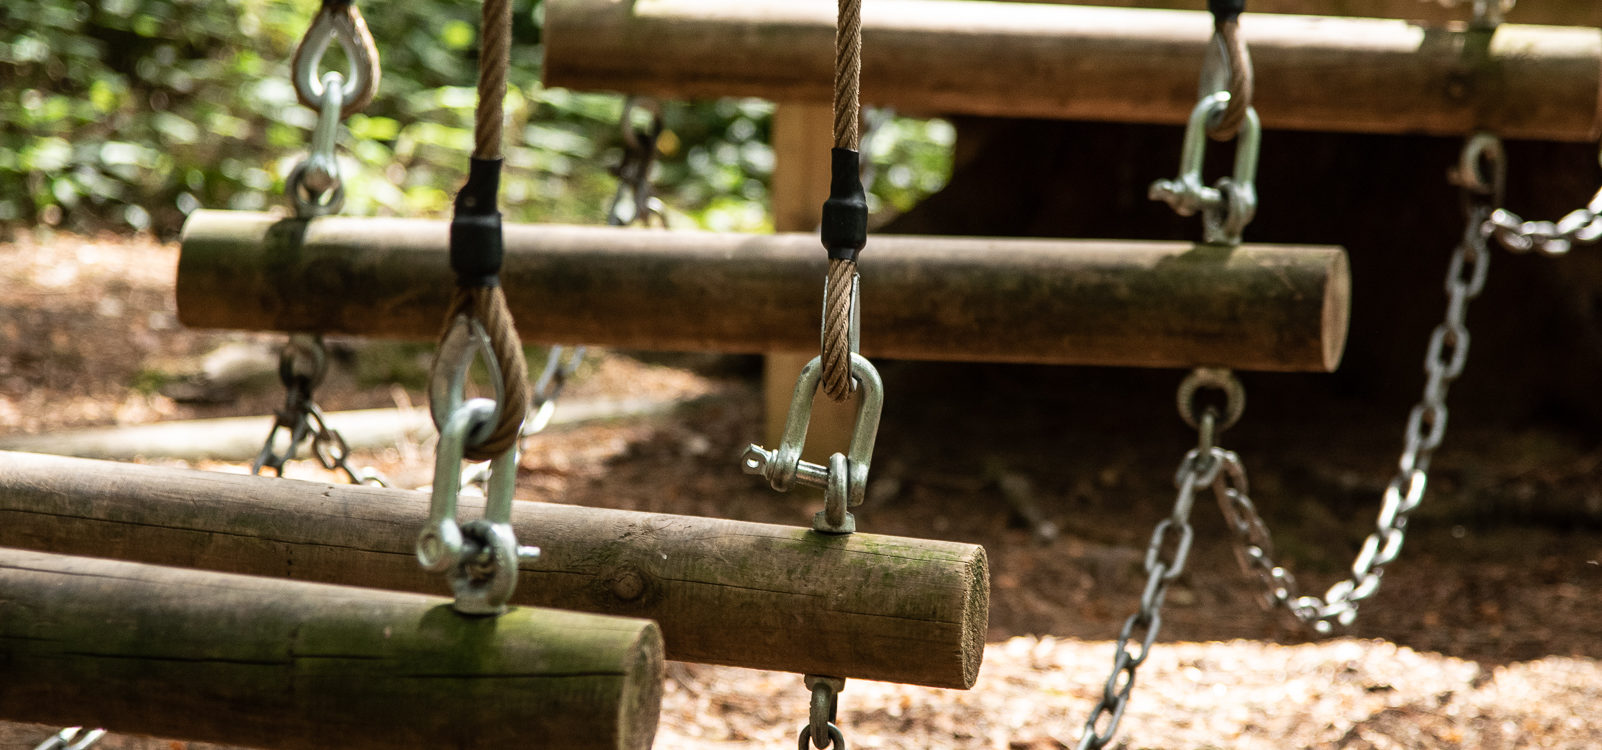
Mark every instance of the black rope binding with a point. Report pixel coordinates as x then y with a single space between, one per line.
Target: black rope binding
1225 11
845 213
476 245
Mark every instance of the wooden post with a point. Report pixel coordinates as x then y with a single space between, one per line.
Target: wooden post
1085 63
724 592
802 137
1095 302
281 664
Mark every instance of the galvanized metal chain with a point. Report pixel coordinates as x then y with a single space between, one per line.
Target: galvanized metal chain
302 364
1582 226
1166 555
72 738
1445 358
634 201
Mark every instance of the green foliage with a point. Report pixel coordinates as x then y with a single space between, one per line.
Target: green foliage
131 113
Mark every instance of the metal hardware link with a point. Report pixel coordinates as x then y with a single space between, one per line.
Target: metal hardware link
71 738
821 731
479 558
1229 205
1165 562
302 363
548 388
845 480
1446 356
633 171
314 185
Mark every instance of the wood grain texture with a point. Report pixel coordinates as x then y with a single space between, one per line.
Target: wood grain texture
1088 63
724 592
261 662
1087 302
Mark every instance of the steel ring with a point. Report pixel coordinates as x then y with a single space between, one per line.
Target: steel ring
1219 378
836 739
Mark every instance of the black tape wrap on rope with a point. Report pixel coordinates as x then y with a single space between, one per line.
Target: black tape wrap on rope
845 213
477 248
1226 10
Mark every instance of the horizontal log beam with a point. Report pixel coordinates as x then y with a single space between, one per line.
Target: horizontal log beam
1086 63
1541 12
260 662
724 592
1120 303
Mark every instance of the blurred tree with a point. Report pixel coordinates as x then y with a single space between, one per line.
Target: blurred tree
128 114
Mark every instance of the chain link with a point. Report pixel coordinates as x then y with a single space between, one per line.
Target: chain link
821 731
634 202
71 738
1582 226
1426 426
1165 562
302 363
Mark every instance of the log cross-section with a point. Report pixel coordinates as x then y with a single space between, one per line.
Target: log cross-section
1087 302
724 592
261 662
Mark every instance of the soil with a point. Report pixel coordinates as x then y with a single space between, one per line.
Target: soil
1487 631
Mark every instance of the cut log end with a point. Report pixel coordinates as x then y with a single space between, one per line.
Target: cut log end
975 616
1337 310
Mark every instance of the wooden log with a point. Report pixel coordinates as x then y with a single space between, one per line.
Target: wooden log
1539 12
724 592
1086 63
1143 304
282 664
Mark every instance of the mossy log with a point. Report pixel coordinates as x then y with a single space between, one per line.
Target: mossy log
262 662
724 592
1087 302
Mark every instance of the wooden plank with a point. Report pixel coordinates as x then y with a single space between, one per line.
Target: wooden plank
284 664
1086 63
1089 302
724 592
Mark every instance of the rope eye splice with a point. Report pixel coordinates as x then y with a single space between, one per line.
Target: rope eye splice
479 558
840 369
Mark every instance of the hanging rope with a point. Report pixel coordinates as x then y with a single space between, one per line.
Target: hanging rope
845 214
1226 29
476 242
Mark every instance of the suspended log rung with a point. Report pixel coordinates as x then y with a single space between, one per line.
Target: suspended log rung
261 662
1086 302
1084 63
725 592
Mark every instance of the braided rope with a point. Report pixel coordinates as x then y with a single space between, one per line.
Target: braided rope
1240 82
837 382
848 75
494 58
488 306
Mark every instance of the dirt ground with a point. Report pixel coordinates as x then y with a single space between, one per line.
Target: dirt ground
1487 633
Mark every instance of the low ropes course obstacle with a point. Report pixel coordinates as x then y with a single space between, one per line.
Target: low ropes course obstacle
1516 80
